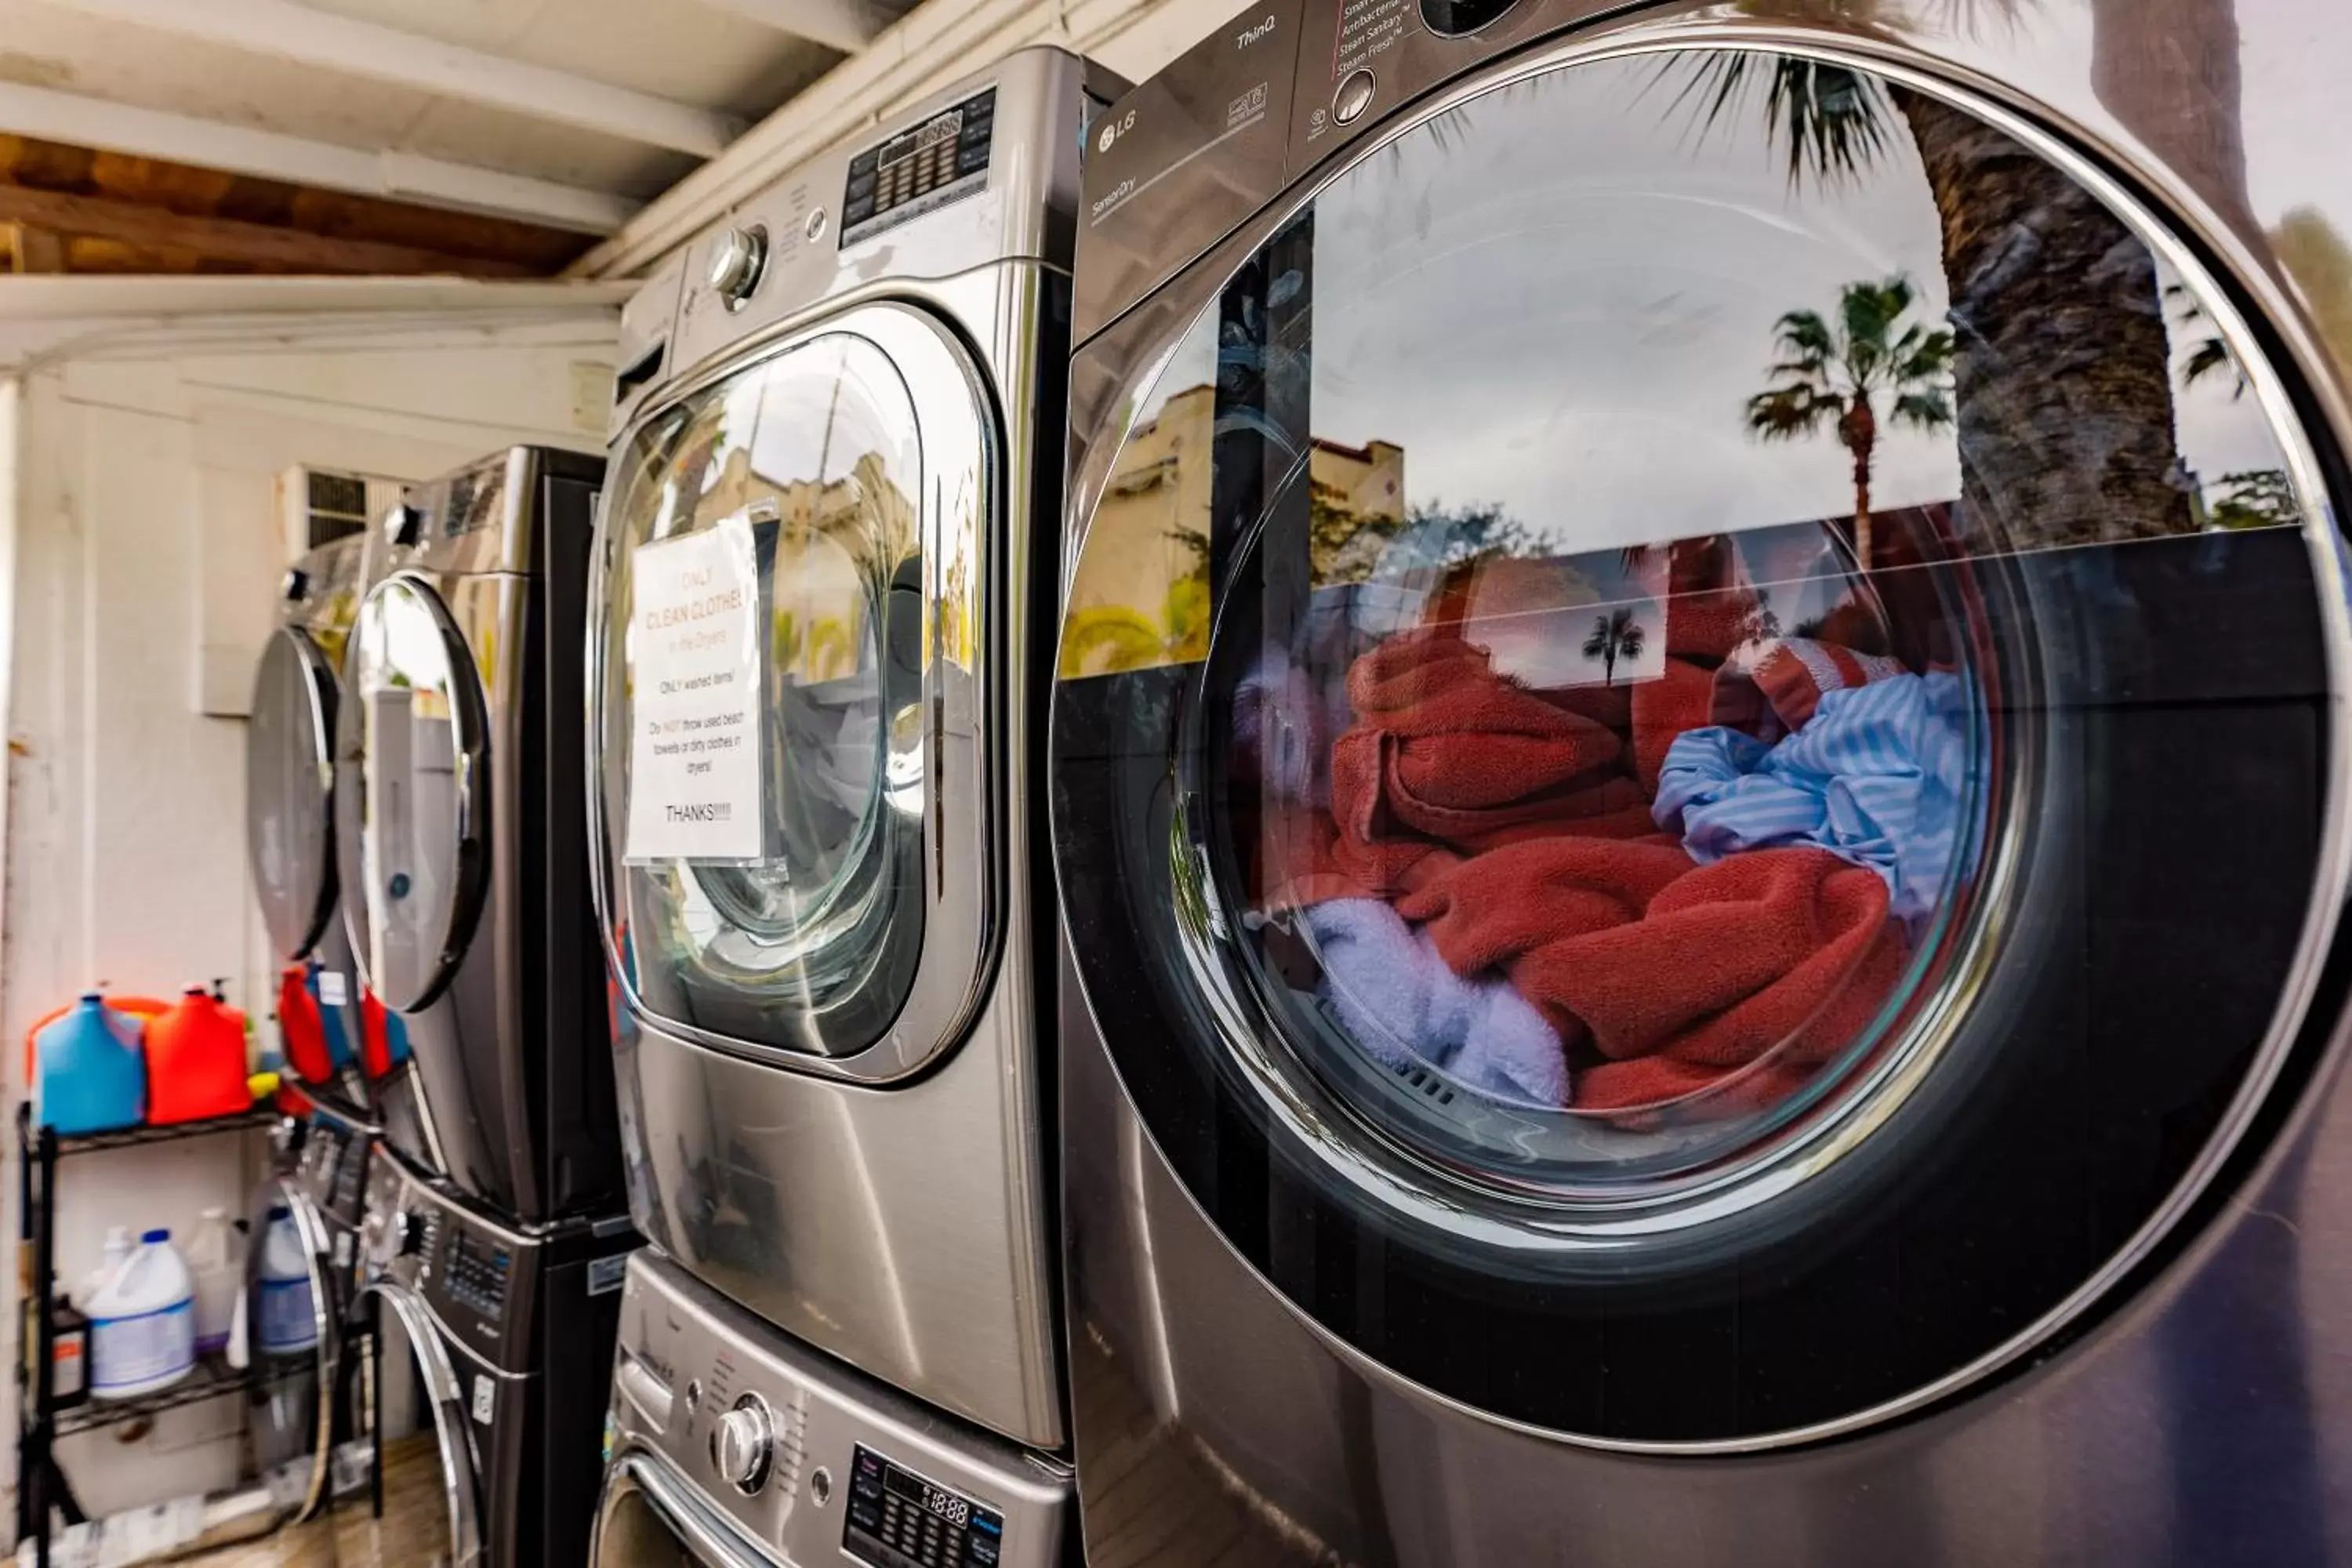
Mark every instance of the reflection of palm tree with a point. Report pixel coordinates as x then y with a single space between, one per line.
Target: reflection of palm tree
1615 635
2061 374
1834 374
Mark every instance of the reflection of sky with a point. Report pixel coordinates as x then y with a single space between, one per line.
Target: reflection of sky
1560 298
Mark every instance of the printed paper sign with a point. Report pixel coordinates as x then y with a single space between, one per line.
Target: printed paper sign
694 755
485 1398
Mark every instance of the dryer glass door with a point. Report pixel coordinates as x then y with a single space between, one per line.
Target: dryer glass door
294 1339
1695 770
411 800
789 696
289 743
421 1504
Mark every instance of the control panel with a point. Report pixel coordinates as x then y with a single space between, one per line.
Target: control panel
475 1273
920 170
895 1519
809 1459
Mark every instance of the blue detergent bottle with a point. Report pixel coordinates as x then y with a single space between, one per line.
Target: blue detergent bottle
91 1069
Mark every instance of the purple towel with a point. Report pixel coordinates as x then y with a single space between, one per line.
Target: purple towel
1287 721
1406 1007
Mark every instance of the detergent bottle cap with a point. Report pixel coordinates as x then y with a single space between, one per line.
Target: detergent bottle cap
152 1237
280 1211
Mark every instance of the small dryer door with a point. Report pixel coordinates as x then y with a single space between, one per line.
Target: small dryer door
791 701
1697 770
294 1335
412 807
423 1504
289 744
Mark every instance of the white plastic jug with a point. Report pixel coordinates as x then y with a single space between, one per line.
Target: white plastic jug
213 1260
118 1249
283 1321
142 1322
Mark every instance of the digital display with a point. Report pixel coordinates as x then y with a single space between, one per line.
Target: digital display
898 1519
942 160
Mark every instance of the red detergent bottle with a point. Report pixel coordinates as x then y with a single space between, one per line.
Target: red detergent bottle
300 1025
195 1060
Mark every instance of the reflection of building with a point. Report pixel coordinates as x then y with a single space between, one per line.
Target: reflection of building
1142 597
837 542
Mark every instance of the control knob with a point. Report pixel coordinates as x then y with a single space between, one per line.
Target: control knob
297 586
736 263
740 1444
407 1234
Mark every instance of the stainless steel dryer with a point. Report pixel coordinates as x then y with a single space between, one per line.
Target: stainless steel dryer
822 571
291 820
461 835
1699 780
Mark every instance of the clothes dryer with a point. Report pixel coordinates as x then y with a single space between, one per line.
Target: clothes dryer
735 1447
823 564
291 821
1700 788
461 835
488 1349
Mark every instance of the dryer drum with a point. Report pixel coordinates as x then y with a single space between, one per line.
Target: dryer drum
1688 735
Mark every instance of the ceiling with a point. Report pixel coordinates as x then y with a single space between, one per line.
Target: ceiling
548 123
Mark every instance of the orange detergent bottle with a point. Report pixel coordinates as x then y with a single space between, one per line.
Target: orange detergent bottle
195 1060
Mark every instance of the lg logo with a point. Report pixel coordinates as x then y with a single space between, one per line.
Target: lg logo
1113 130
1252 35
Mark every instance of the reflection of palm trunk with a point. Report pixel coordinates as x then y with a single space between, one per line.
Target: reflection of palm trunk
2062 377
1859 430
2169 70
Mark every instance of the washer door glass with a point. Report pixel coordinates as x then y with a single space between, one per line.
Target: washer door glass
413 799
762 749
1694 738
647 1518
289 789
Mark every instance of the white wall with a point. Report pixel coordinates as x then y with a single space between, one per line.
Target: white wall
144 530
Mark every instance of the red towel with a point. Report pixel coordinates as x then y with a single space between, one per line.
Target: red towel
1680 977
1443 750
1794 673
1681 699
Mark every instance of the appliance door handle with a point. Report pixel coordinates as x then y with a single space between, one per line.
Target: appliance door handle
458 1482
714 1543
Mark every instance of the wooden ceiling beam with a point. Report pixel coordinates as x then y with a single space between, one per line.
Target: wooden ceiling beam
227 240
70 118
284 30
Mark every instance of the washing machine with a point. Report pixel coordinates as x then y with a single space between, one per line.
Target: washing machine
488 1349
301 1400
1699 782
733 1447
290 822
823 565
460 832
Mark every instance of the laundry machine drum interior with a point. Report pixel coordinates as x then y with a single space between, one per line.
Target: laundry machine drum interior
1692 741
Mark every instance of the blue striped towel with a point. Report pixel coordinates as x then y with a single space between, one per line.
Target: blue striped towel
1877 776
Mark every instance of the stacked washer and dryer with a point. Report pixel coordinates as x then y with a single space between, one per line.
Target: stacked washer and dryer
1699 779
489 1264
303 1406
825 571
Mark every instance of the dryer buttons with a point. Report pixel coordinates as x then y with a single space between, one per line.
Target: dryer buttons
736 263
1355 96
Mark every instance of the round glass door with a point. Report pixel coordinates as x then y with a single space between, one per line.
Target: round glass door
767 614
1693 763
293 1335
289 789
413 799
419 1499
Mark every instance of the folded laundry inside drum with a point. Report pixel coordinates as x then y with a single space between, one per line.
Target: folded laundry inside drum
1688 883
